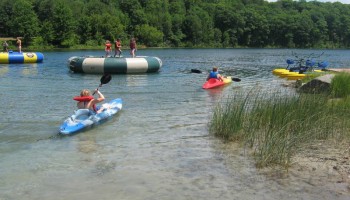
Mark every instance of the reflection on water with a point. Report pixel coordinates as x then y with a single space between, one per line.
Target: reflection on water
30 69
215 94
158 146
4 68
138 80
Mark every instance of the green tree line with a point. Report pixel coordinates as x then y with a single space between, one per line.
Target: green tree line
177 23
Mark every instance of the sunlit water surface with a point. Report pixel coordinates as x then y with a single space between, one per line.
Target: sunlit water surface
157 147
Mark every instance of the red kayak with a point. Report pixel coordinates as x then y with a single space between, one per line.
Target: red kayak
213 82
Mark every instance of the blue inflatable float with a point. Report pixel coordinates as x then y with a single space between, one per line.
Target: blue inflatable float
23 57
114 65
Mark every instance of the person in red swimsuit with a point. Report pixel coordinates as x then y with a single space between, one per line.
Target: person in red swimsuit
108 48
118 48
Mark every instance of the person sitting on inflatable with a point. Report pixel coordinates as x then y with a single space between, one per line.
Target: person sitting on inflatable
215 74
87 101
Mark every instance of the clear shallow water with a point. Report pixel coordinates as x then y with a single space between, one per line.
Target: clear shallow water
157 147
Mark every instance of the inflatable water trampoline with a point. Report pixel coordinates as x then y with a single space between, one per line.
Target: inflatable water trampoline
114 65
20 57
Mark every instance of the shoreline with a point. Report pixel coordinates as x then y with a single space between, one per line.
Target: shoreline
101 47
325 164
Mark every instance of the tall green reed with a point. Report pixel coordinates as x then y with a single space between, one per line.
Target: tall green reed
275 126
340 85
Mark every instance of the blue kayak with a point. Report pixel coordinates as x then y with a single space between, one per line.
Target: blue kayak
84 118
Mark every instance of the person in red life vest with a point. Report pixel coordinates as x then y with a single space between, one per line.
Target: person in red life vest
118 48
87 101
133 47
215 74
108 48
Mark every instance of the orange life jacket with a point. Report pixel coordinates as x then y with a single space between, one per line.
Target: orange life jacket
85 99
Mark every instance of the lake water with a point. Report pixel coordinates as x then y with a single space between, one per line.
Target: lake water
157 147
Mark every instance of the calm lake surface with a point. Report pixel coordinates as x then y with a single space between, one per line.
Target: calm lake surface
157 147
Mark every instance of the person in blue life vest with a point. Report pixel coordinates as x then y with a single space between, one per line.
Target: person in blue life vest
215 74
87 101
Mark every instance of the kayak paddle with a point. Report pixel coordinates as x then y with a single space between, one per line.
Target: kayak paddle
104 80
196 71
199 72
236 79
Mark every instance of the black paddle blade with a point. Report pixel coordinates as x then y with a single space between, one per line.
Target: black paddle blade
236 79
196 71
105 78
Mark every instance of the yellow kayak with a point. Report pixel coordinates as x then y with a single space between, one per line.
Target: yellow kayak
297 76
227 79
287 73
292 73
279 71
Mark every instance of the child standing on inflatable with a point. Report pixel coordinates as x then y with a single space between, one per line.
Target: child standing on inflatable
118 48
215 74
87 101
132 47
108 48
19 45
5 46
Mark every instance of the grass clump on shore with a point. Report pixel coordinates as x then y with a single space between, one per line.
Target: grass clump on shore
277 126
340 85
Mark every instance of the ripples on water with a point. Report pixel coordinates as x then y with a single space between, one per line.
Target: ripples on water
157 147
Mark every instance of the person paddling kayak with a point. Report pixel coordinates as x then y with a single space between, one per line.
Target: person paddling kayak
215 74
87 101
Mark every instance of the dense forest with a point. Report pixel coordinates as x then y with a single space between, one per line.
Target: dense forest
177 23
